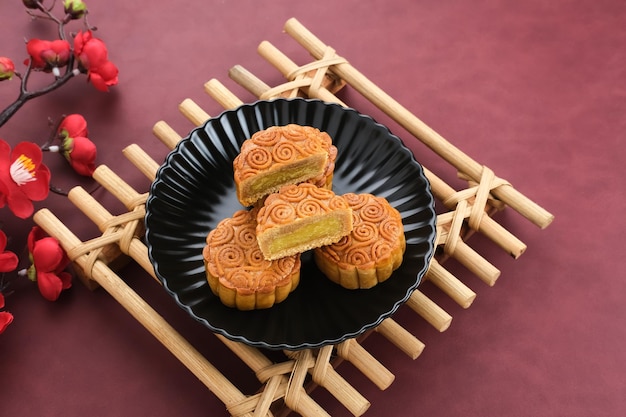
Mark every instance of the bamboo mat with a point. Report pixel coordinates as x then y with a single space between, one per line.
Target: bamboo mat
285 385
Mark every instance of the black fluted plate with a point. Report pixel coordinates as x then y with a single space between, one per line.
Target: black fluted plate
194 190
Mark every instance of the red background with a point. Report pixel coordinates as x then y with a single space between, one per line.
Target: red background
536 90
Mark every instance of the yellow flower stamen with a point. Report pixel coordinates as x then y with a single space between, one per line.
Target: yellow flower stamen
23 170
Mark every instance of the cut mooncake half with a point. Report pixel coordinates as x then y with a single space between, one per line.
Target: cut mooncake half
301 217
237 271
281 155
372 251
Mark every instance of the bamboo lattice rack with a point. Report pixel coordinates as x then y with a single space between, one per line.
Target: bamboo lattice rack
285 385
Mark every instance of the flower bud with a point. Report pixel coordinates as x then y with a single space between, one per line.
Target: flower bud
75 8
92 58
7 68
80 152
46 55
49 261
72 125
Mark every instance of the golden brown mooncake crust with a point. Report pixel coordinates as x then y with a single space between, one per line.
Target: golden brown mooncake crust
237 271
372 251
301 217
281 155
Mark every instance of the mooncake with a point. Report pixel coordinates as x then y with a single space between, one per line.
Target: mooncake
237 271
281 155
301 217
372 251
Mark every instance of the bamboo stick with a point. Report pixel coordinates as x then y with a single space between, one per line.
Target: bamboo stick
449 236
193 112
347 395
214 380
419 129
266 370
141 160
287 66
246 79
267 397
296 380
400 337
354 353
430 311
221 94
329 378
488 226
86 203
475 263
450 285
118 187
166 134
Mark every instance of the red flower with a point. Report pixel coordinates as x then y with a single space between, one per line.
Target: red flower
23 177
7 68
6 318
49 260
8 260
47 55
104 77
92 56
72 126
76 147
81 154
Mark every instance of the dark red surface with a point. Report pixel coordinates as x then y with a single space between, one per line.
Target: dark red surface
535 90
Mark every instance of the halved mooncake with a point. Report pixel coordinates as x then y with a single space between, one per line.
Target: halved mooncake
281 155
237 271
301 217
372 251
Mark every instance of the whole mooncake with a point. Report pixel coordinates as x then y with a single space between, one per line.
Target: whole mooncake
281 155
237 271
372 251
301 217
